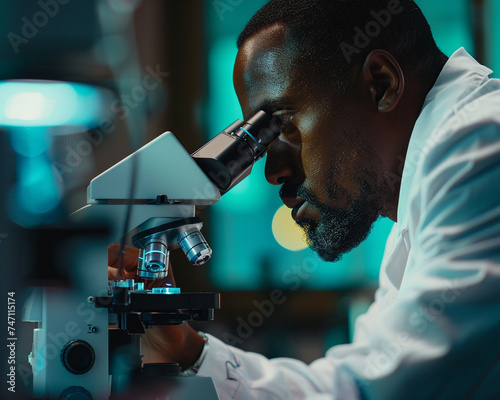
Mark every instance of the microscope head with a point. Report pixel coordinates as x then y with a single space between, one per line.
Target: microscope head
170 181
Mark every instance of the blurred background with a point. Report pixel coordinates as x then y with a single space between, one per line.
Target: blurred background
171 61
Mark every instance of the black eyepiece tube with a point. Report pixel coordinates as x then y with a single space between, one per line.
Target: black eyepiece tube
229 157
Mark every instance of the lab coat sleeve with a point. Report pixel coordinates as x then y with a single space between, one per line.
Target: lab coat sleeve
438 338
247 376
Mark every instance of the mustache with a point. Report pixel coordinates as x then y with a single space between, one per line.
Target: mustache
310 197
289 190
292 190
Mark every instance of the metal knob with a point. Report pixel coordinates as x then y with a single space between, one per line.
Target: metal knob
78 357
75 393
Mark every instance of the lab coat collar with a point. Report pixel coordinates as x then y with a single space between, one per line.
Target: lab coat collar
459 77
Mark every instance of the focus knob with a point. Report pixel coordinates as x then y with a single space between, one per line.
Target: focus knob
75 393
78 357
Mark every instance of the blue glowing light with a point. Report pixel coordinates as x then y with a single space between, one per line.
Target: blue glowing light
36 195
36 185
155 251
49 103
167 290
249 134
30 142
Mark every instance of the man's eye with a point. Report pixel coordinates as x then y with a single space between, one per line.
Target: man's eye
285 123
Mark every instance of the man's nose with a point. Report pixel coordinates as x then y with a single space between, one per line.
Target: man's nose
279 165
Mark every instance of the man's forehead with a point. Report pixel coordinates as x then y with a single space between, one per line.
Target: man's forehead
269 39
264 64
268 67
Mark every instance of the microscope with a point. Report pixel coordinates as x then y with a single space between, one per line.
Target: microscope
87 344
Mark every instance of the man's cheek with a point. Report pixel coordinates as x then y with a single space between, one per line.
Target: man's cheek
316 172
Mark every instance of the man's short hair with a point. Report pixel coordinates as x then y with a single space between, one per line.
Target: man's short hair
336 35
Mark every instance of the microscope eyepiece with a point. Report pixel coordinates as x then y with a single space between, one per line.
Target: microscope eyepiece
229 157
258 128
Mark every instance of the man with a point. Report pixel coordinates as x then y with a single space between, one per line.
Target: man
361 88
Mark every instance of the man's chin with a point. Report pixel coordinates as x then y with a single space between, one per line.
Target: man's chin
331 241
327 250
321 244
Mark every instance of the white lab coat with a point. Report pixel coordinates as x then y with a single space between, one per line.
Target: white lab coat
433 331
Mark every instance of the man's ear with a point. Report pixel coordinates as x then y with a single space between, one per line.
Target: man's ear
385 80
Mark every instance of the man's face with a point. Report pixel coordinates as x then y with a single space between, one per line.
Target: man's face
323 158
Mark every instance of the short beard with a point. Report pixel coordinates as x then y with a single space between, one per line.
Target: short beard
337 232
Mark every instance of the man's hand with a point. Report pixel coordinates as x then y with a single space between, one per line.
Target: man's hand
161 344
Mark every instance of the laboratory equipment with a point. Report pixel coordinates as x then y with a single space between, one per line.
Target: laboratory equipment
75 354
